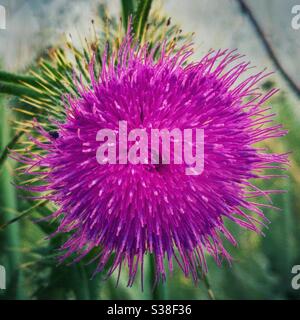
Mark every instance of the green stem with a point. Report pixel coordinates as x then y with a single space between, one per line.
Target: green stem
80 282
159 292
94 284
208 287
9 203
152 276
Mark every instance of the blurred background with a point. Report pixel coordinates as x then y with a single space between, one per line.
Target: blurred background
260 29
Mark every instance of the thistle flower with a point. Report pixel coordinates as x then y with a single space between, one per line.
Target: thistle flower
128 211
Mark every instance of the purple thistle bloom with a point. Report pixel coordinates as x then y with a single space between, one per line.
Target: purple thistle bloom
131 210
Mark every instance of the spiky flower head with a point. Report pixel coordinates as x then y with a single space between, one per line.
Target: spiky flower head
130 210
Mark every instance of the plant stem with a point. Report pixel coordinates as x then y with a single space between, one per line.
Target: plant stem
208 287
152 277
80 282
94 284
159 292
268 47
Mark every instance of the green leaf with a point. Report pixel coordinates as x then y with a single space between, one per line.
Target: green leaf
17 90
141 17
16 78
127 11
